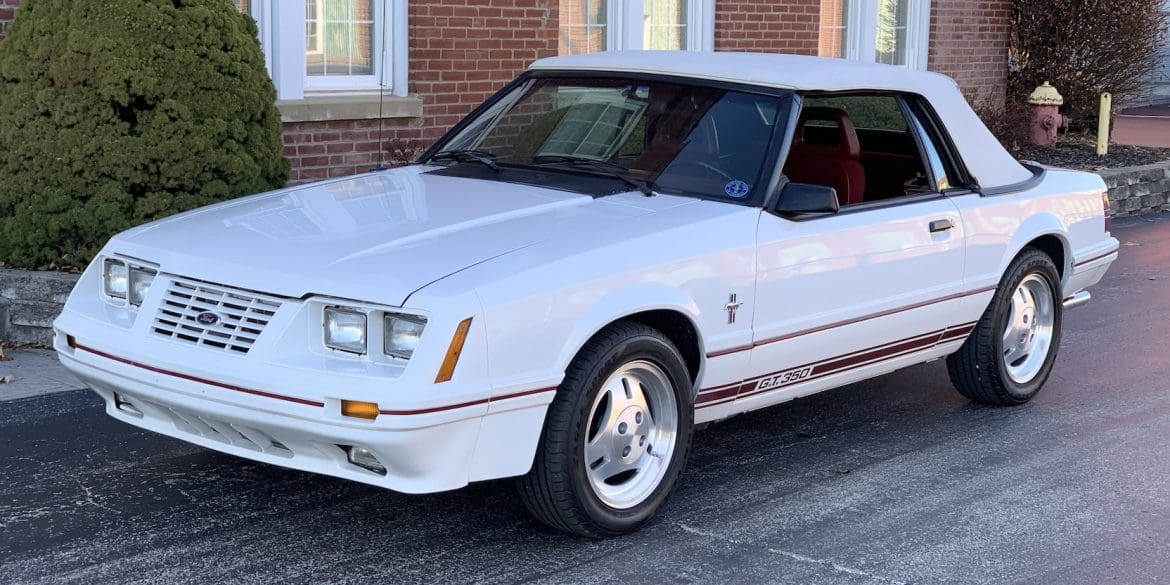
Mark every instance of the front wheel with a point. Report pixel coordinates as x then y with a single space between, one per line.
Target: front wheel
616 435
1009 355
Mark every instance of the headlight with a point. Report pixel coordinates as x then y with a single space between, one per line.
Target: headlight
125 281
402 333
115 278
345 330
140 281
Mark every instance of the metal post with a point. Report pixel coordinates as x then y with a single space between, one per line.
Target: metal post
1105 116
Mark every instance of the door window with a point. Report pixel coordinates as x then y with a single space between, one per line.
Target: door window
862 145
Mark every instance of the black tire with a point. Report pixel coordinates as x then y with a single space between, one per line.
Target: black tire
557 490
979 370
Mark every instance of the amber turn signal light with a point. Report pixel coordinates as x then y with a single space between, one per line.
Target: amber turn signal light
448 368
366 410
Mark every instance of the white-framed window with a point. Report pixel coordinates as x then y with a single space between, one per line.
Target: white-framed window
894 32
588 26
332 46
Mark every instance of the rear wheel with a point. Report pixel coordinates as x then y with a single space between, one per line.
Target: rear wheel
616 435
1009 355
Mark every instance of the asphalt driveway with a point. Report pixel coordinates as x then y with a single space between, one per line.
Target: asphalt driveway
895 480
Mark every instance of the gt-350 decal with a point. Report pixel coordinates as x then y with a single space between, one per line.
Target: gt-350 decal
788 377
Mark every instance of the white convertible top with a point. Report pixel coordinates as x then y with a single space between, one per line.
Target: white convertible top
984 156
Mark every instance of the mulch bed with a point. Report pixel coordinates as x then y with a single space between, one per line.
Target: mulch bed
1081 153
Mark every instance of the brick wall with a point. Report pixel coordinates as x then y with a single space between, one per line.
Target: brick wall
459 55
7 9
969 42
769 26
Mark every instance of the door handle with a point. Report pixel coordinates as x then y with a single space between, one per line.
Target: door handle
941 225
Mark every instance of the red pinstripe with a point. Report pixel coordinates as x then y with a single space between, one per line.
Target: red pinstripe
294 399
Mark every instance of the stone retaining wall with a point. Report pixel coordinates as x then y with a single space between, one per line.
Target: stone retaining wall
30 300
1137 190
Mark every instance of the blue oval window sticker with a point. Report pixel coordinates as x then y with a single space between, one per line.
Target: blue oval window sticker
736 189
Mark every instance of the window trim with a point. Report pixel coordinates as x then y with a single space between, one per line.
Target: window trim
282 37
317 83
860 35
623 27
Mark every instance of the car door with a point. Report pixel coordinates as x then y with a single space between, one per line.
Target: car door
843 296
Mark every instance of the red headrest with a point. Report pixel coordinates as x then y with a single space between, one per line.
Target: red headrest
846 135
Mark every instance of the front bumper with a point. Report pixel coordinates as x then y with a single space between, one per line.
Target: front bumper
423 451
417 460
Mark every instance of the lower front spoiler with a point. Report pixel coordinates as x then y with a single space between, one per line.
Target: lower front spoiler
417 460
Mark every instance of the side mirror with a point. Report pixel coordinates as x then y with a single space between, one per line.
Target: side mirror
806 199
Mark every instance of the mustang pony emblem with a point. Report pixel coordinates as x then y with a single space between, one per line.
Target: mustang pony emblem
731 306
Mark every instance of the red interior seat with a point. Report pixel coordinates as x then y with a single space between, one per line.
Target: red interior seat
836 164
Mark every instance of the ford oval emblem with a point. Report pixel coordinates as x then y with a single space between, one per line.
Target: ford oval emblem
207 318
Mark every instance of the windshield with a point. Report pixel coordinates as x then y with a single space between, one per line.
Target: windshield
668 137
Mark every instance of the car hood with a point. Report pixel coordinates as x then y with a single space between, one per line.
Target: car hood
376 237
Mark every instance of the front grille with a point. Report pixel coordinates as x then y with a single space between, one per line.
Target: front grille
242 315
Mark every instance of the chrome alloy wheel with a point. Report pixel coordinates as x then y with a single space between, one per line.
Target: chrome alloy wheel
633 425
1027 335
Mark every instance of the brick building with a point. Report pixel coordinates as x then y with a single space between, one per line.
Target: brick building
429 62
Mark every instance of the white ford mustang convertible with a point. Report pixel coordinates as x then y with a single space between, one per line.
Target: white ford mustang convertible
610 251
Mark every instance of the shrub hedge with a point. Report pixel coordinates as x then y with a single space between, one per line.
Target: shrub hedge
117 112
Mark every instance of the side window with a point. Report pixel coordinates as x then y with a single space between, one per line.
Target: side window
862 145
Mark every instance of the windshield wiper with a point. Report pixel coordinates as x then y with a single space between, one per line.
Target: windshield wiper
486 159
604 167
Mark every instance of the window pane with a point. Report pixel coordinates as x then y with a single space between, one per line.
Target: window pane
583 26
339 37
891 31
664 25
834 24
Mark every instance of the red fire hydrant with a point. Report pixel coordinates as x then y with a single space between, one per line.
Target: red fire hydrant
1046 117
